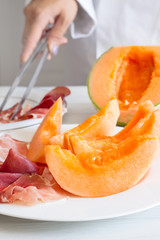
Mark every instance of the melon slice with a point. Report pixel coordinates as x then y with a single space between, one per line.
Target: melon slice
50 126
102 174
95 127
101 124
128 74
145 120
148 126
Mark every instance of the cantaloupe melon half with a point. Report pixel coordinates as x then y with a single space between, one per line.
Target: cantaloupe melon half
104 173
50 126
129 74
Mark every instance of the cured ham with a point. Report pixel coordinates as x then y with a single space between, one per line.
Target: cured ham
16 163
23 181
38 111
51 97
7 142
6 179
6 114
32 189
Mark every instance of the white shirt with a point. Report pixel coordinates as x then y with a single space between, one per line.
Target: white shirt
99 25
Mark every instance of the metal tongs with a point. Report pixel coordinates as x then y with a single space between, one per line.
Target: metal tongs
41 46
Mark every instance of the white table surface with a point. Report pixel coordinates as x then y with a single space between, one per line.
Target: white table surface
144 225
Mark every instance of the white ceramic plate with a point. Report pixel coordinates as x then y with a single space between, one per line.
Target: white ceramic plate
143 196
34 98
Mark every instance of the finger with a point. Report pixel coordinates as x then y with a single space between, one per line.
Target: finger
31 37
56 36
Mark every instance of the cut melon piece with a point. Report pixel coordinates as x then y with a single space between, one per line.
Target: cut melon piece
50 126
145 121
95 127
101 124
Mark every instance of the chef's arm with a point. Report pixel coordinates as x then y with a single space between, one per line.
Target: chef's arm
85 21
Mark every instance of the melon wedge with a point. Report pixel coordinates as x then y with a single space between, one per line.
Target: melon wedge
148 126
101 124
95 127
50 126
102 174
145 120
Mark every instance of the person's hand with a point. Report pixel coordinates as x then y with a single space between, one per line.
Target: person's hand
40 13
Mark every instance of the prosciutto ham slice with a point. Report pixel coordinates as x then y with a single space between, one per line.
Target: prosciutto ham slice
7 142
51 97
38 111
6 179
16 163
23 181
32 189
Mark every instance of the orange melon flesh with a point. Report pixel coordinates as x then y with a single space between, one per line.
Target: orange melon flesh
142 122
97 168
100 124
50 126
104 174
95 127
142 115
148 126
129 74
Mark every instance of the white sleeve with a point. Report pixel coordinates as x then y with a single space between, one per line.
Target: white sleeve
85 21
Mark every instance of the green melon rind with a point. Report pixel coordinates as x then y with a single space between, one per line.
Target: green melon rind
157 105
88 80
121 124
95 105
